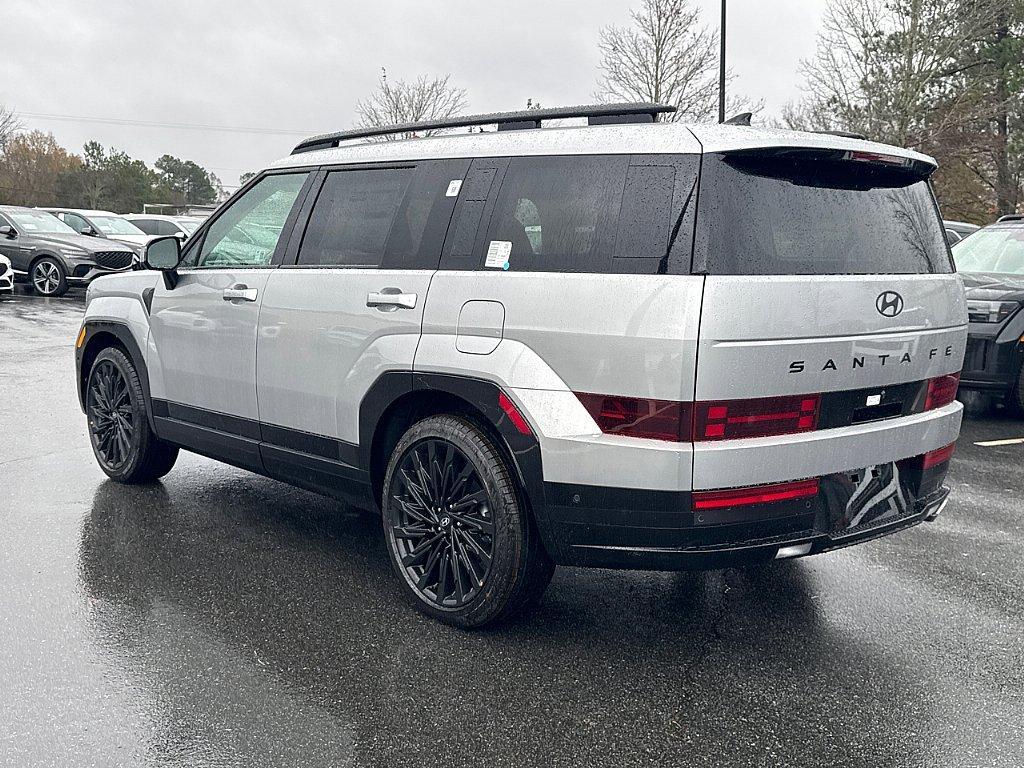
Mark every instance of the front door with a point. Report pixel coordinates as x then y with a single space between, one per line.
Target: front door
202 353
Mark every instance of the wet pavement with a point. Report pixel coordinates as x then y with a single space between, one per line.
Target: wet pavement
220 618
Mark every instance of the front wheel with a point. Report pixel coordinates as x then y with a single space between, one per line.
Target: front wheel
48 277
122 441
460 539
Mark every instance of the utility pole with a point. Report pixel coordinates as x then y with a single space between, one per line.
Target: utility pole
721 68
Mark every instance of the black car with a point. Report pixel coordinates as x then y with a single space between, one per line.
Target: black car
992 264
51 255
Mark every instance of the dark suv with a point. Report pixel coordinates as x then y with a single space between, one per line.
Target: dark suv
51 255
992 264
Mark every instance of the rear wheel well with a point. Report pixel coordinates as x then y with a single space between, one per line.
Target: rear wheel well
413 407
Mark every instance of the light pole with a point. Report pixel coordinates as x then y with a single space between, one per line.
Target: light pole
721 68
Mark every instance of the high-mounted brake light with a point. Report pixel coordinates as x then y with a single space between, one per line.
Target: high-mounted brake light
763 417
941 391
938 456
760 494
639 417
518 420
877 157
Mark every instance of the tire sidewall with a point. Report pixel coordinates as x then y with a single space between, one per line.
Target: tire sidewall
507 512
139 417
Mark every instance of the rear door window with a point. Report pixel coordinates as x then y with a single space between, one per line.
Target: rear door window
353 216
802 213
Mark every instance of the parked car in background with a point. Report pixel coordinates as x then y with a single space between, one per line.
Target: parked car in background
181 227
6 276
991 262
51 255
958 230
102 224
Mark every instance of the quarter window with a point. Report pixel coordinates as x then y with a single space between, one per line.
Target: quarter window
559 213
353 217
247 233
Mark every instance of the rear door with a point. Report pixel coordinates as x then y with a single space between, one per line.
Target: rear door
203 330
828 275
346 307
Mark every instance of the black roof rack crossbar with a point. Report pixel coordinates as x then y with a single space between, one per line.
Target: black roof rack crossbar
527 118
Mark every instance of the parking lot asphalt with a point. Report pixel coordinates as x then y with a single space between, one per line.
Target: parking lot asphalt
220 618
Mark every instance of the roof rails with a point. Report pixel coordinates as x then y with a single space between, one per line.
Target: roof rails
597 114
1011 217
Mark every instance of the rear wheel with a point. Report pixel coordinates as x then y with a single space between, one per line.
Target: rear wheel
48 277
460 539
122 441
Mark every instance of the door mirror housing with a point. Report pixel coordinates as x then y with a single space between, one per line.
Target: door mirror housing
6 230
90 232
164 254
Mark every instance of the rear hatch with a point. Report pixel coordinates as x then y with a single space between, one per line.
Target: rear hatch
828 284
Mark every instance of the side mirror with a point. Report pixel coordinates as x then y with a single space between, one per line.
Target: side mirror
90 232
8 231
164 254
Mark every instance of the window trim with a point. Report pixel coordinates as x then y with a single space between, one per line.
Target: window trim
199 236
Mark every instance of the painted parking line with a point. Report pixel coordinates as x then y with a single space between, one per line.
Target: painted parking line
995 443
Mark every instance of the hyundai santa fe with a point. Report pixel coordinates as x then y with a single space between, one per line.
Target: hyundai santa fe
629 344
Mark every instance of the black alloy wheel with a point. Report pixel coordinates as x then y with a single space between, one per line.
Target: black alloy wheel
112 423
441 524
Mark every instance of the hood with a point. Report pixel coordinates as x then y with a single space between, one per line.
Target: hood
139 240
90 244
993 286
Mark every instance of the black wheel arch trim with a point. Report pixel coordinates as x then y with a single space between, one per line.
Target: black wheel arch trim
123 334
482 394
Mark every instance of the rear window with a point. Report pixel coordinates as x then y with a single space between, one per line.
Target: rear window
802 213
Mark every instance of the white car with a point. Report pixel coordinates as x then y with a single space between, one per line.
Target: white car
102 224
158 225
6 276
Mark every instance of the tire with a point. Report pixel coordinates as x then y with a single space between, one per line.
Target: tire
48 277
119 432
439 521
1015 397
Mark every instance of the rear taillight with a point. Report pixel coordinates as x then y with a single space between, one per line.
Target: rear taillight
764 417
938 456
760 494
941 391
639 417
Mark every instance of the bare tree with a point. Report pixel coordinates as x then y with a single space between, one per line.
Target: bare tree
407 102
10 124
666 55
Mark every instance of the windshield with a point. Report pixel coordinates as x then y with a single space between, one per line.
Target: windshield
999 249
803 215
189 225
39 223
115 225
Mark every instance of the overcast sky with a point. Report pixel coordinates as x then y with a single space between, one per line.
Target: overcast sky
301 66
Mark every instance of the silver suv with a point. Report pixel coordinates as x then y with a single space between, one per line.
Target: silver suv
628 344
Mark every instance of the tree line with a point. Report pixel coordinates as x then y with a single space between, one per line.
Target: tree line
36 171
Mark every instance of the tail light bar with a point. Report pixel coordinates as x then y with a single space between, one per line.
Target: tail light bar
878 157
941 391
760 494
639 417
763 417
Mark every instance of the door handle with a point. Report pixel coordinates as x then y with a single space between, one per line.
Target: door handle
239 292
390 299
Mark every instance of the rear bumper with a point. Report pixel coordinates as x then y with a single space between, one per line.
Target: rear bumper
613 528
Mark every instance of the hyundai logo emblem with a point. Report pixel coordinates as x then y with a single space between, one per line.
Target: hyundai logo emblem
889 304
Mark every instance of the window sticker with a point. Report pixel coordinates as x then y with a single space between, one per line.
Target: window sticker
497 254
453 188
